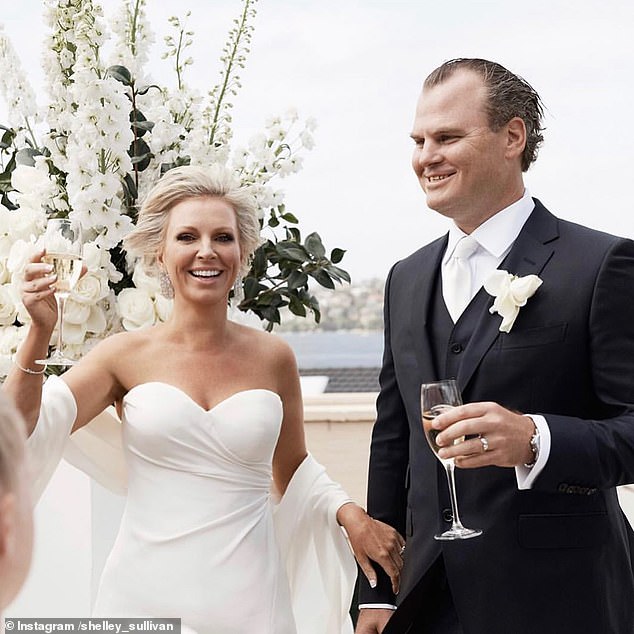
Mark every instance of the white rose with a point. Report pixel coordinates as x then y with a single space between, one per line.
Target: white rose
98 261
19 256
90 289
26 178
8 309
6 363
142 279
75 312
73 334
4 271
27 221
10 339
96 322
136 308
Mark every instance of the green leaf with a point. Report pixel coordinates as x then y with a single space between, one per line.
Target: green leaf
297 279
336 255
314 245
144 89
297 307
142 127
252 288
140 154
7 138
139 122
271 314
142 162
131 194
7 203
293 234
337 273
323 278
291 251
259 262
312 302
289 217
26 156
120 73
139 147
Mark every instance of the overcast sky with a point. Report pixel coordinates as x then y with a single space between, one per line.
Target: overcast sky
357 67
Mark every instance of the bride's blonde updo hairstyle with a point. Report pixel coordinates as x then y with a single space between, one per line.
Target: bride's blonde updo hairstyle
147 238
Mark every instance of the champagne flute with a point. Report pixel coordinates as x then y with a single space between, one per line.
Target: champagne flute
437 398
63 244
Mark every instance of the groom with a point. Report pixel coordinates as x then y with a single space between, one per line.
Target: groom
549 413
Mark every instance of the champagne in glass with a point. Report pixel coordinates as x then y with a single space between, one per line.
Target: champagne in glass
431 433
437 398
63 244
67 267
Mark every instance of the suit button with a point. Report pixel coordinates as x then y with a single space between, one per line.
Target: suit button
456 348
447 515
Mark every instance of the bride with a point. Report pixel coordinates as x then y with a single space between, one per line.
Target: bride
212 416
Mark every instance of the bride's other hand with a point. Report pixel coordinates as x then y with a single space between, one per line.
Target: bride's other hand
372 540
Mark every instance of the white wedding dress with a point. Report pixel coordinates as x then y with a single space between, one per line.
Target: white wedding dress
201 538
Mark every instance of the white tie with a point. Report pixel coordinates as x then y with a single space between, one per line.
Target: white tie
456 287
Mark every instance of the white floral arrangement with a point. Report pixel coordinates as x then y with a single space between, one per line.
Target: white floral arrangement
107 134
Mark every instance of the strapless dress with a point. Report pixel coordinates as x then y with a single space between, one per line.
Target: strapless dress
197 540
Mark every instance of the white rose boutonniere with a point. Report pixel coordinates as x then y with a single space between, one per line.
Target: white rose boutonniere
511 293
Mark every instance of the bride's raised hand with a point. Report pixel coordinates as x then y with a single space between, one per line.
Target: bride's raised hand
38 292
372 540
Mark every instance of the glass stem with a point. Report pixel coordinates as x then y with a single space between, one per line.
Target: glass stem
61 301
449 468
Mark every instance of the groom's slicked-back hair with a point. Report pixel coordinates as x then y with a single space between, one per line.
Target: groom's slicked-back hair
509 96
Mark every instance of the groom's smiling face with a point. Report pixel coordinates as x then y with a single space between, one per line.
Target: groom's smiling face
468 171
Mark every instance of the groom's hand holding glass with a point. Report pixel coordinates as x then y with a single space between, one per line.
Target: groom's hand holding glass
494 436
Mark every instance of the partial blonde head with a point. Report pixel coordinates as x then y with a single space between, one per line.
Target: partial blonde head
147 238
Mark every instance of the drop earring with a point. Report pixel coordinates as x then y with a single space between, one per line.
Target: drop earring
238 292
167 289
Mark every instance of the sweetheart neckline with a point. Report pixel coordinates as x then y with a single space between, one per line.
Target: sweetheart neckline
195 402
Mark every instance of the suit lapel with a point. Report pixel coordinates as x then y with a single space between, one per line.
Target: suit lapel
421 298
531 251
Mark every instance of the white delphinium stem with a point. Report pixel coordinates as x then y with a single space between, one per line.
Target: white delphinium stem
274 153
98 136
180 115
235 51
133 37
16 90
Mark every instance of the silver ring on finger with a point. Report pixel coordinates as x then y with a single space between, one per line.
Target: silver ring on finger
402 549
485 443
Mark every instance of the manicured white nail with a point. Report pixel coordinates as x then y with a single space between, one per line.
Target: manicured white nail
372 583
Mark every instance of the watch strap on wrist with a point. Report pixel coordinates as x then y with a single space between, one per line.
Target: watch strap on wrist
534 443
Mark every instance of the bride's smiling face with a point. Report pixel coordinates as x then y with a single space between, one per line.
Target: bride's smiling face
201 251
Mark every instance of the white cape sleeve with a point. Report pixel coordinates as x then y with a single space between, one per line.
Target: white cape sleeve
46 444
96 449
319 562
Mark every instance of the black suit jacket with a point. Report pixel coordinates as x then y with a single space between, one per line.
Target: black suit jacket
556 558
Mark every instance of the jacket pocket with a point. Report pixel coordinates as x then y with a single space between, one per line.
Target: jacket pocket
574 530
533 337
